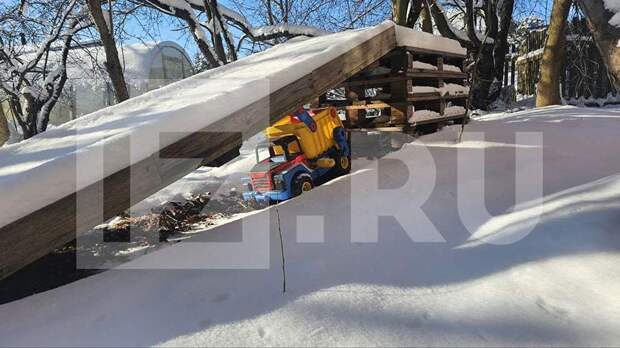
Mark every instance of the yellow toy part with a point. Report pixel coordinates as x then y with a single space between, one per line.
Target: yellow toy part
326 162
312 143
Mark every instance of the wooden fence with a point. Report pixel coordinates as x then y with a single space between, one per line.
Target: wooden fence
585 75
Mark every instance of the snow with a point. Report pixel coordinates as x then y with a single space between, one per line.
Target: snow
453 89
614 7
535 53
263 31
422 66
419 39
420 115
455 111
558 286
206 179
591 101
287 28
42 170
423 89
452 68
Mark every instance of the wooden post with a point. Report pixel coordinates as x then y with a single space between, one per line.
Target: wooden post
355 96
400 111
513 67
400 61
506 72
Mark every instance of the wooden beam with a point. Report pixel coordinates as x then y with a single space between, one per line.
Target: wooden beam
423 97
437 74
423 51
39 233
374 82
393 129
367 106
387 79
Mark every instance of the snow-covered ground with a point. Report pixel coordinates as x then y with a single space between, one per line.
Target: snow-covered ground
558 285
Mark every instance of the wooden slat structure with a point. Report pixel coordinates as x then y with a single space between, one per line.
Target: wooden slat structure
383 95
40 232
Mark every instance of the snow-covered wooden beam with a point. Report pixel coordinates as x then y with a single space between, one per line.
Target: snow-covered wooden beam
38 177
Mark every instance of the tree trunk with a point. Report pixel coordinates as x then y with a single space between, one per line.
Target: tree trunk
112 64
427 21
217 17
187 15
501 41
399 11
444 27
211 11
414 12
482 77
5 133
606 37
552 64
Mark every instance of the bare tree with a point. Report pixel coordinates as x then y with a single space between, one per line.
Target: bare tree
212 24
29 78
548 89
5 132
183 10
605 35
105 26
427 20
399 11
484 29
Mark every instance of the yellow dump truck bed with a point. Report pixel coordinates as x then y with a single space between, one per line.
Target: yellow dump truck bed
312 143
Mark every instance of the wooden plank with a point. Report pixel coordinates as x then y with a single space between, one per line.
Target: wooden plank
455 97
400 110
376 81
423 51
394 129
436 119
354 94
437 74
368 106
423 97
35 235
381 80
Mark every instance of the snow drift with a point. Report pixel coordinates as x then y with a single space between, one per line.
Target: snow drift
557 286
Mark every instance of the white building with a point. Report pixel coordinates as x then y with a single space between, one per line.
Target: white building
146 67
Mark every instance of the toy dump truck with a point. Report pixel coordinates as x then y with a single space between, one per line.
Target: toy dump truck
303 150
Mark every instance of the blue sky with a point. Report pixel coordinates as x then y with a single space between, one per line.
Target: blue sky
540 8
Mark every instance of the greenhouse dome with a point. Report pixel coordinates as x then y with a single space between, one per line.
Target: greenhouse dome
147 66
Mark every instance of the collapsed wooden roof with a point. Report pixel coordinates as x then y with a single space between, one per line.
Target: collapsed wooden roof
165 134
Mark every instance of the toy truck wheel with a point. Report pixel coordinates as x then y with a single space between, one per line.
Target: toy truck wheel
343 165
303 183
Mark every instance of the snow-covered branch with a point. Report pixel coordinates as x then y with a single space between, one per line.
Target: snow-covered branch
262 33
32 76
183 10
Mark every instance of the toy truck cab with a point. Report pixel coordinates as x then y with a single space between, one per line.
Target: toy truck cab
302 151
